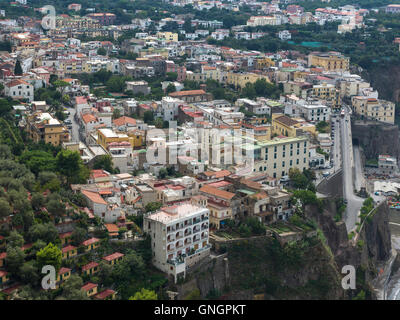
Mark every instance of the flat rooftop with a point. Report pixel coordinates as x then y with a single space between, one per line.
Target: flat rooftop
170 214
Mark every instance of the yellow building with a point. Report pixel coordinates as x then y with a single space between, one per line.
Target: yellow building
371 108
43 127
218 213
277 156
330 61
106 136
63 275
69 252
327 92
263 63
168 36
3 277
90 289
114 258
239 80
91 244
285 126
90 268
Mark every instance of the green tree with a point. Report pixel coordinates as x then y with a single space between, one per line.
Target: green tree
15 239
69 164
46 232
49 255
71 289
170 88
5 209
18 68
153 206
78 236
116 114
148 117
144 294
14 260
101 51
104 162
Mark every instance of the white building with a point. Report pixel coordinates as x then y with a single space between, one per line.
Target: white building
170 108
19 89
315 112
179 237
284 35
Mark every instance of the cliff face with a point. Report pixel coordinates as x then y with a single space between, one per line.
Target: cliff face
260 268
376 138
387 83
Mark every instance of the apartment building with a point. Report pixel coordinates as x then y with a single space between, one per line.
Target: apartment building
277 156
372 108
179 237
330 61
315 112
19 89
41 126
168 36
104 19
283 125
327 92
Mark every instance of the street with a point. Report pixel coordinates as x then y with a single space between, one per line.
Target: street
354 202
75 126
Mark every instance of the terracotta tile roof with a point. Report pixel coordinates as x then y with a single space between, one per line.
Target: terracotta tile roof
186 93
89 266
124 120
217 174
111 227
285 120
104 294
216 192
3 255
87 117
94 197
113 256
3 273
65 235
88 286
64 270
90 241
68 248
16 82
10 290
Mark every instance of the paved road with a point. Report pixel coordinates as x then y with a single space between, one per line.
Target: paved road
359 180
336 140
354 203
75 126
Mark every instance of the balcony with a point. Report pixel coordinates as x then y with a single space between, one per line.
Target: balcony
170 248
179 244
179 235
169 229
188 233
196 238
204 226
169 239
196 229
204 235
204 218
197 220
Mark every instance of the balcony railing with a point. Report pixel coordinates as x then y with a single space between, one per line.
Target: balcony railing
204 227
179 236
195 230
204 218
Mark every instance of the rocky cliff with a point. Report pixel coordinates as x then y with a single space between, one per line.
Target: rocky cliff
376 138
261 268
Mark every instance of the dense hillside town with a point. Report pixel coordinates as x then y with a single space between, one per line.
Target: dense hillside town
136 145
